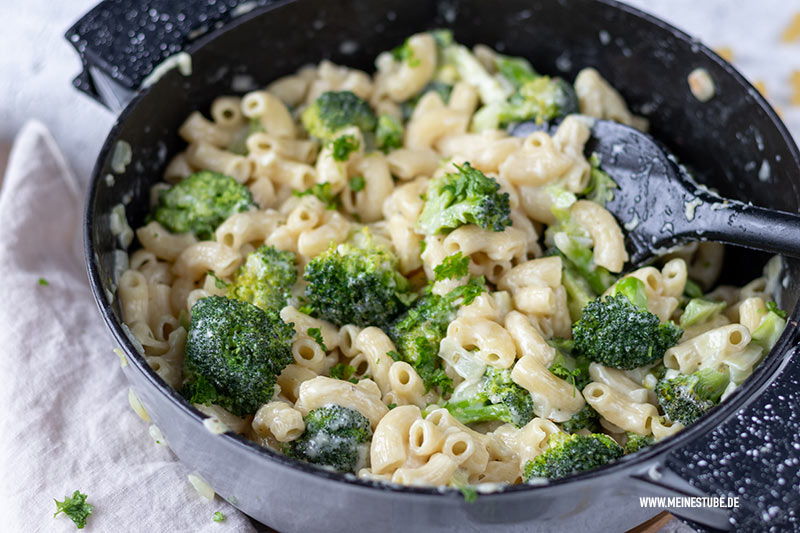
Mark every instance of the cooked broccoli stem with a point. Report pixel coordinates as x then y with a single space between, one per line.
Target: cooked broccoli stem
335 437
699 310
496 397
601 185
464 197
770 329
332 111
265 279
239 350
619 332
200 203
357 282
569 454
685 398
470 70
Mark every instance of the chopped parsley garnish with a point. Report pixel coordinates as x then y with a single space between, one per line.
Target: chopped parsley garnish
323 192
452 267
43 282
357 183
343 146
218 517
344 372
316 334
75 507
218 283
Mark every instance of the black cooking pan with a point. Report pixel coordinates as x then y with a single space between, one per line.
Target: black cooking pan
744 448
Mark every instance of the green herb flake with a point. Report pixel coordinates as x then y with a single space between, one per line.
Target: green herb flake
357 183
75 508
470 493
323 192
316 334
772 306
218 283
218 517
43 282
343 146
452 267
391 406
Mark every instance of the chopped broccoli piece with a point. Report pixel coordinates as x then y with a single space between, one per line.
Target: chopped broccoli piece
200 203
199 390
452 267
692 289
464 197
323 193
388 133
75 508
343 146
404 53
587 418
357 183
636 442
496 397
517 70
773 307
265 279
335 437
569 454
579 292
357 282
239 349
43 282
470 70
601 185
769 331
344 372
417 333
443 37
685 398
332 111
218 517
573 243
618 332
699 310
441 88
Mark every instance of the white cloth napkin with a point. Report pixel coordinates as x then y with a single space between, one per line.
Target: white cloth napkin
65 423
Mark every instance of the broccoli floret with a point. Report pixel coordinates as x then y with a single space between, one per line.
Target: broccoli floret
335 437
496 397
619 332
516 70
636 442
343 146
699 310
542 99
454 266
332 111
569 454
587 418
265 279
239 350
601 185
771 327
200 203
357 282
417 333
388 133
685 398
464 197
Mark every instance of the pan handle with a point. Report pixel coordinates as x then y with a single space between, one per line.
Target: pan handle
120 43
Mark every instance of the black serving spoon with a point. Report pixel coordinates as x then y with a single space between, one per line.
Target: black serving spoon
660 206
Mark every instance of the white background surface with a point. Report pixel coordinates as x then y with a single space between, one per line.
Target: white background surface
37 64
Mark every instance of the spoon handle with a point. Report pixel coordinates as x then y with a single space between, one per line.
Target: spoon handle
711 218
